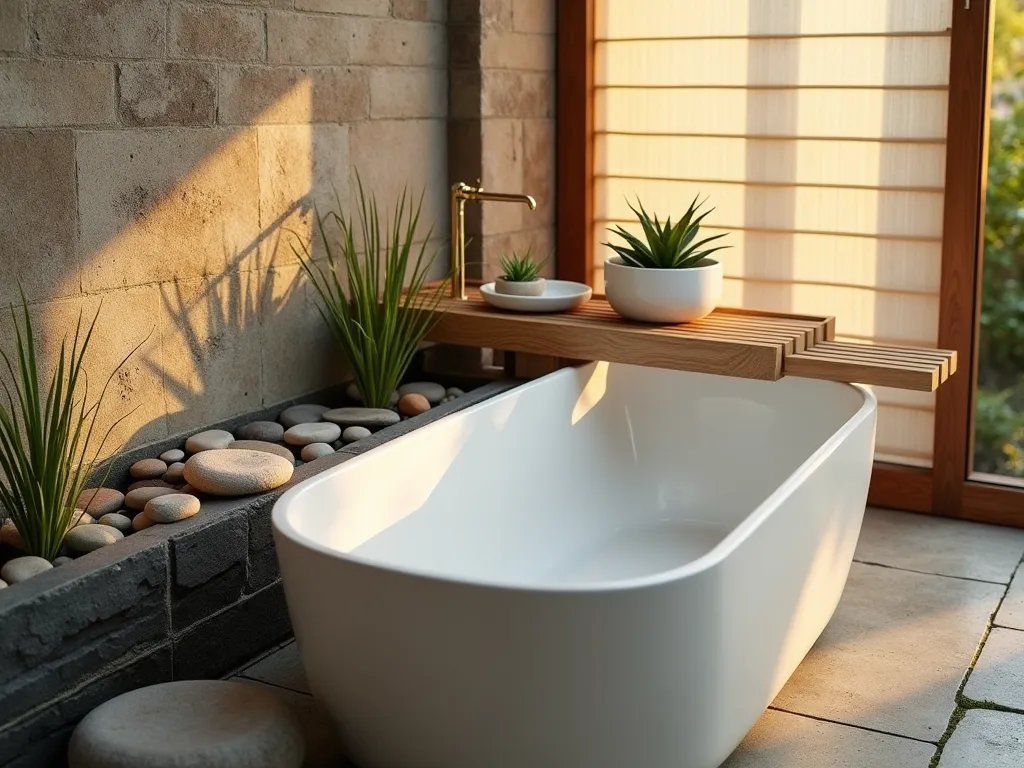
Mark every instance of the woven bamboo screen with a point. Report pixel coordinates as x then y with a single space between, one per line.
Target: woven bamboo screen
816 128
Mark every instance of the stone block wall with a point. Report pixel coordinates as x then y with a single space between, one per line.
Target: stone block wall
156 154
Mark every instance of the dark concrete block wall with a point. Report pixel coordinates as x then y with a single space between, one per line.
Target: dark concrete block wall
196 599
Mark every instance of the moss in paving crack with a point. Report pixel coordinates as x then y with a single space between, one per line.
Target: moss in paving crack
968 703
954 721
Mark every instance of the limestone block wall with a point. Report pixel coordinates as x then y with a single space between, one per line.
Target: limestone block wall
156 156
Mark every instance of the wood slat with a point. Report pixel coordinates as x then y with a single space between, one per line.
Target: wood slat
903 368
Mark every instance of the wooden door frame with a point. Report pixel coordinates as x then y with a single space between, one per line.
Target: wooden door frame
946 489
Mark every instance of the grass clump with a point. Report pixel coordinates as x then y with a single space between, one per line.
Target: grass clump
520 269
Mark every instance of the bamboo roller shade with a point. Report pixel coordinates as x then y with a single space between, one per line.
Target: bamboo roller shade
729 342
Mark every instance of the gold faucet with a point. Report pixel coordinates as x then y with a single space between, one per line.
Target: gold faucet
461 192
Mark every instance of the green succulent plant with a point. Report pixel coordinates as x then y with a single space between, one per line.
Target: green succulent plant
520 269
668 246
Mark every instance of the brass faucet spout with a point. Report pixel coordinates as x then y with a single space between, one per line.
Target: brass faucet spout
461 192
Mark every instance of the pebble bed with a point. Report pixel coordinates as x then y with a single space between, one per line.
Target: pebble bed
258 457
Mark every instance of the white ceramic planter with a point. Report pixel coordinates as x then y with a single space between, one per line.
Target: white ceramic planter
663 295
513 288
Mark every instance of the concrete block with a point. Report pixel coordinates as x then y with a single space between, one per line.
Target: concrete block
293 95
348 7
106 28
536 16
502 170
417 158
14 26
40 93
208 564
166 204
419 10
155 93
539 168
37 215
397 42
516 50
507 93
1011 612
998 676
224 642
299 167
64 626
405 92
41 739
297 38
985 738
221 33
210 347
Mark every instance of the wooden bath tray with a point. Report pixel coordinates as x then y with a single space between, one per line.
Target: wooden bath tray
730 342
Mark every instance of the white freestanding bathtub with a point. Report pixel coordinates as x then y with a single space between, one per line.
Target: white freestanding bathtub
609 567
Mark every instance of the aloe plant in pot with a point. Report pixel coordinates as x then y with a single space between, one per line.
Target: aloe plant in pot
520 275
670 277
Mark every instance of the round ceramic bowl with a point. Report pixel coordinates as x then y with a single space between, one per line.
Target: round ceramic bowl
663 295
513 288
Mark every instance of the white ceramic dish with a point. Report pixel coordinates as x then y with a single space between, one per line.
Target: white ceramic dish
559 295
675 545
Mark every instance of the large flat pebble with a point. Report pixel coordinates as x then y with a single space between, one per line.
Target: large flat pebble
22 568
172 507
268 431
261 445
301 414
236 472
209 440
320 432
138 498
371 418
147 469
86 538
99 501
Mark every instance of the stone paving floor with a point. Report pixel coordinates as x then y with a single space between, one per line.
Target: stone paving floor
922 665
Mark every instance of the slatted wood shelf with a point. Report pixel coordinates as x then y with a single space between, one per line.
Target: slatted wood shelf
729 342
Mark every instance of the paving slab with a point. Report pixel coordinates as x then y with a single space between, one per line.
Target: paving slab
931 544
895 652
282 668
985 739
1011 612
998 676
784 740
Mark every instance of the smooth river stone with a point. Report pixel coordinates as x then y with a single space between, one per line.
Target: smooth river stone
172 508
304 434
154 483
266 431
371 418
260 445
413 404
86 538
116 520
62 560
9 535
236 472
173 455
99 501
138 498
453 392
352 434
210 440
175 473
147 469
301 414
21 568
3 584
433 392
142 521
314 451
78 517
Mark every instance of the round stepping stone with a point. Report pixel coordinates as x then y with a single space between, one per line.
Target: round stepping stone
372 418
175 473
266 431
320 432
210 440
173 455
86 538
138 498
236 472
413 404
116 520
301 414
62 560
154 483
172 508
99 501
351 434
22 568
314 451
9 535
433 392
142 521
190 724
147 469
260 445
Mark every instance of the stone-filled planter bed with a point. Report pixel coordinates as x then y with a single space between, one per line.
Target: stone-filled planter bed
192 599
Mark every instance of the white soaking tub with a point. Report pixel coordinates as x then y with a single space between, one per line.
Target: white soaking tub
609 567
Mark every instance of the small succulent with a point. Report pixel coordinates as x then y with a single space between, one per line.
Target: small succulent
520 269
671 246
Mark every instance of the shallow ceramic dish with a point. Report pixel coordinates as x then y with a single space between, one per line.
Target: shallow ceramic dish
558 296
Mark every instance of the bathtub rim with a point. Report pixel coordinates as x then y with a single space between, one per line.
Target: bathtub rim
283 527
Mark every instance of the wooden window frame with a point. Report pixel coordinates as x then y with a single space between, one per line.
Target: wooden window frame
947 489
